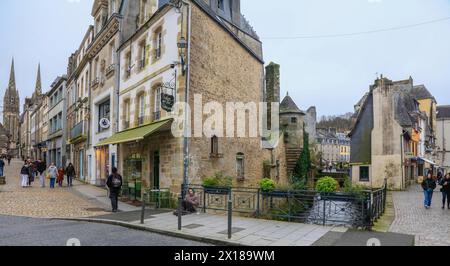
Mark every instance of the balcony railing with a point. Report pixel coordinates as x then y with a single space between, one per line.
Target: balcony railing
77 131
95 83
110 70
126 125
140 121
141 64
156 116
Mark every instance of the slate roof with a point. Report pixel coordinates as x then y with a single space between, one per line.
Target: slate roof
443 112
288 106
406 107
420 92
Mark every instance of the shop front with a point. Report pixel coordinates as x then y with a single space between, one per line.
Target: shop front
139 151
102 166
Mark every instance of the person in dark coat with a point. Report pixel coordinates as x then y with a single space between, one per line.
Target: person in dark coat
2 166
41 167
428 185
70 173
445 183
114 184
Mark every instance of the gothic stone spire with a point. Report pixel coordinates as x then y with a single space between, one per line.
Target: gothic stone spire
38 89
12 77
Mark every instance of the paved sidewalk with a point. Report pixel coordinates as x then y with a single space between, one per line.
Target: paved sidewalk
213 229
99 196
431 227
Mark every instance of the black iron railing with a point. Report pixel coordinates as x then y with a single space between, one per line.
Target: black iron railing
357 210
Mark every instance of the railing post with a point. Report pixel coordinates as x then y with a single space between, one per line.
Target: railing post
230 217
324 212
289 202
143 209
204 201
180 210
257 203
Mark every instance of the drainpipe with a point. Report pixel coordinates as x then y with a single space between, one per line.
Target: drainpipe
117 92
186 98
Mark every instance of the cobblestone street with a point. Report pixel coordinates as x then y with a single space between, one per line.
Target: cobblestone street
41 203
431 227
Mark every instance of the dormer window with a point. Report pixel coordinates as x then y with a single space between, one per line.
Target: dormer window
144 11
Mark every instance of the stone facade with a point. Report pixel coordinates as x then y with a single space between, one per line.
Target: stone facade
443 137
386 137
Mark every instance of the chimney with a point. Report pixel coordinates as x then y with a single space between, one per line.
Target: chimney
272 89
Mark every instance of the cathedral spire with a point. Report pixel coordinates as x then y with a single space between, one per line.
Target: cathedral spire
38 89
12 77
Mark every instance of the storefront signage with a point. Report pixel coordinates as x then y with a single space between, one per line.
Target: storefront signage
167 102
105 123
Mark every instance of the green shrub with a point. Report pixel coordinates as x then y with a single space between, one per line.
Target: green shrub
267 185
218 180
327 185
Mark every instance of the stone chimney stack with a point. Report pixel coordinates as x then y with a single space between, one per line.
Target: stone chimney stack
272 89
273 83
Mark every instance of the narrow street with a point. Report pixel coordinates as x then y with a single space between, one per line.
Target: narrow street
25 213
21 231
41 202
431 227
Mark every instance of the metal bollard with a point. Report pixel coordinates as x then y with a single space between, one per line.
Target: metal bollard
180 203
230 218
143 209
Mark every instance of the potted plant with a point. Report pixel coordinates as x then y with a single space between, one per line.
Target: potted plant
217 184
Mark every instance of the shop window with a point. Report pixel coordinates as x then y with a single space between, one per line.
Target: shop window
364 174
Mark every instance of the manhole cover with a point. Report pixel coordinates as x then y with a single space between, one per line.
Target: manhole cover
95 210
193 226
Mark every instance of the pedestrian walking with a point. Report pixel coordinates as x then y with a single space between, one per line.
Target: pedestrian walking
114 184
445 183
9 160
32 173
60 179
52 173
25 173
41 166
428 185
2 167
70 173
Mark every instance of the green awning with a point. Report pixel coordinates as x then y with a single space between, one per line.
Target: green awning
137 134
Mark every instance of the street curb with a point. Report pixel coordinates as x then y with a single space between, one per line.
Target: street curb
153 230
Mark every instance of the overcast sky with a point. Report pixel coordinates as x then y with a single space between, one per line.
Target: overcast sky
331 73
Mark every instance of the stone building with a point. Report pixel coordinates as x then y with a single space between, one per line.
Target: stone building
109 18
56 140
443 137
333 147
11 114
386 137
78 108
197 53
28 120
